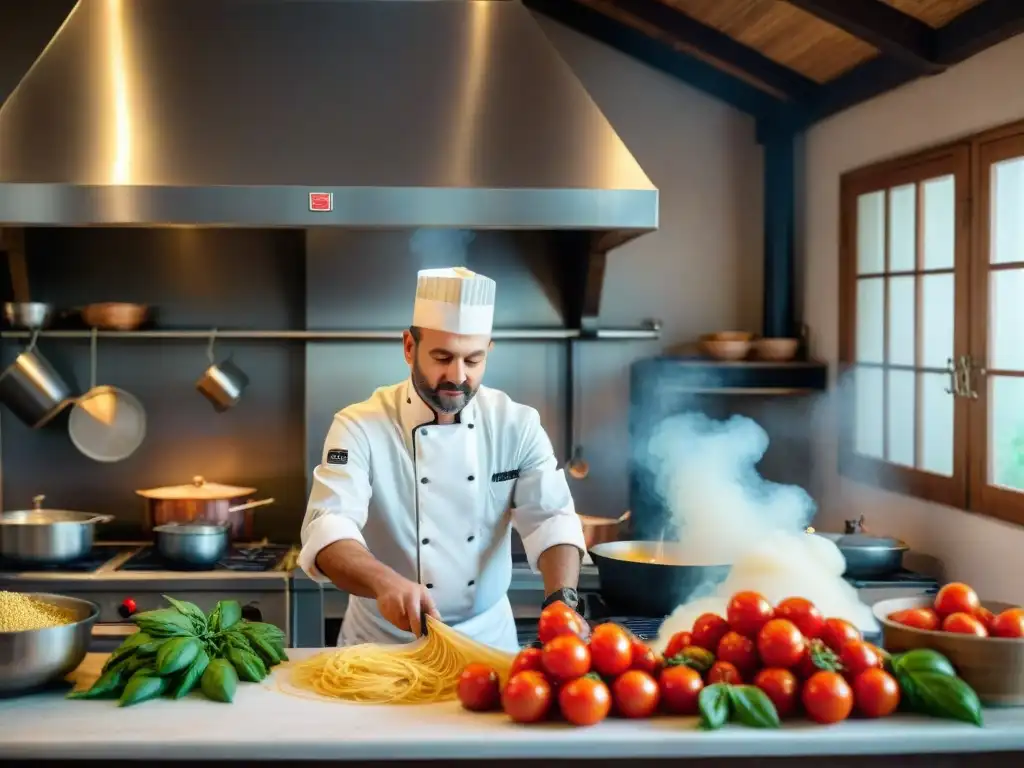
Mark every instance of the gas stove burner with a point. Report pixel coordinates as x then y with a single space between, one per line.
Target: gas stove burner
97 557
238 559
644 628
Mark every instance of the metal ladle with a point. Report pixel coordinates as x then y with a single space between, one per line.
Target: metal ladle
577 465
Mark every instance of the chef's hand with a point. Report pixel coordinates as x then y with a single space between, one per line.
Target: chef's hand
405 603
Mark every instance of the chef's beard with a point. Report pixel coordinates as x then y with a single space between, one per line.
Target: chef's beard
438 400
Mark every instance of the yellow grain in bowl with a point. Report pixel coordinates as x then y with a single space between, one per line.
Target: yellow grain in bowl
21 613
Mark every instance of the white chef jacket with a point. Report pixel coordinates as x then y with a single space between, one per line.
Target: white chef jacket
436 503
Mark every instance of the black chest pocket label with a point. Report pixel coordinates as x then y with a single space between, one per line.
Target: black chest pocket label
337 456
504 477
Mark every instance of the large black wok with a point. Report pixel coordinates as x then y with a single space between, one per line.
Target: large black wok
651 578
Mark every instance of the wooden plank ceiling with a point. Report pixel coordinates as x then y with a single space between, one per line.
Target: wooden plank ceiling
783 32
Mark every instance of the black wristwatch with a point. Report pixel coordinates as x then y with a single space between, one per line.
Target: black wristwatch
565 595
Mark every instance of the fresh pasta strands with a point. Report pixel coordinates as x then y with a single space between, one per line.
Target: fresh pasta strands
424 671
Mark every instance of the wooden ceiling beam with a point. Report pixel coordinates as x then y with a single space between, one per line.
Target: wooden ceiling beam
692 70
897 35
864 82
978 28
720 46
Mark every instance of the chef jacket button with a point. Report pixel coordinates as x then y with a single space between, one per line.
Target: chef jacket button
426 541
471 478
423 433
429 585
470 426
424 480
471 538
471 582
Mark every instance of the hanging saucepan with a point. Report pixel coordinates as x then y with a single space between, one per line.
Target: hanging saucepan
200 501
32 389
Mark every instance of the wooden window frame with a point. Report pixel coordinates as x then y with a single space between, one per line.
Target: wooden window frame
970 161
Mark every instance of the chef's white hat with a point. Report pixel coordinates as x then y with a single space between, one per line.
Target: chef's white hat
454 300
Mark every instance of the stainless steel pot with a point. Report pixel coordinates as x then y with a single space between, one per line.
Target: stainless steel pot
192 545
34 658
28 314
202 502
47 536
32 389
867 556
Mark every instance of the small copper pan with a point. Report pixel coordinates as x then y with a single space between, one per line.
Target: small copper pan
599 530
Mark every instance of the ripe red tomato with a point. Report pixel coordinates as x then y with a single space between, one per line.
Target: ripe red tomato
748 612
708 631
964 624
1009 623
837 632
781 686
528 658
584 701
781 644
645 659
918 618
876 693
680 686
827 697
479 688
611 650
566 657
986 617
527 697
857 657
635 694
556 620
818 657
803 613
724 672
739 651
956 598
679 641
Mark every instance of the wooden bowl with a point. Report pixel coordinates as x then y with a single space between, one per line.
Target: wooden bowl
992 666
115 316
721 349
728 336
776 350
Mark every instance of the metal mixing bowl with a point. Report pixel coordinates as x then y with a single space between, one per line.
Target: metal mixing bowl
39 656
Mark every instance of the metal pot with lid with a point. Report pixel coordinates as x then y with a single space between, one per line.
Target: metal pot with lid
47 536
867 555
201 501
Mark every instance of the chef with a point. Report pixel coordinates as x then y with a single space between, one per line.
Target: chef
418 487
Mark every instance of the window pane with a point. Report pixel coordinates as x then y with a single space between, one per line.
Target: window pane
902 228
936 424
1006 320
1006 432
1008 211
870 319
869 411
938 311
901 321
900 417
871 233
939 223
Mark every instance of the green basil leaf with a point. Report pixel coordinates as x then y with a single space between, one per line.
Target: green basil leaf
165 622
190 678
713 704
923 660
230 613
193 611
947 697
752 707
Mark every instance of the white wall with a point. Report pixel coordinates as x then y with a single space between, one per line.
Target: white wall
981 93
700 272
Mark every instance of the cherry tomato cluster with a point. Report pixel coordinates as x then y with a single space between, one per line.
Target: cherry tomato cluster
797 657
957 609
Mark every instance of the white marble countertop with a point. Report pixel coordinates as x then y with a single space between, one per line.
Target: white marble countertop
266 723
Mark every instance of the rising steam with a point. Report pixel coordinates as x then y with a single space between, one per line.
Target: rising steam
725 513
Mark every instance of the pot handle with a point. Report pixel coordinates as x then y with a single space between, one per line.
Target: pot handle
250 505
100 519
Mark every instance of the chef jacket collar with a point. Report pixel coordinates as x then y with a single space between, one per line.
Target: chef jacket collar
415 412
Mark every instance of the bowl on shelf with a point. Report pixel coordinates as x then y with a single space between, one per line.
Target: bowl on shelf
115 316
35 657
729 345
728 336
776 350
992 666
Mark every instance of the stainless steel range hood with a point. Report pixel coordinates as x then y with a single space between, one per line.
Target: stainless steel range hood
438 113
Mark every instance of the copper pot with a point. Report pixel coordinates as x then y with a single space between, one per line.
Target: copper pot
599 530
200 501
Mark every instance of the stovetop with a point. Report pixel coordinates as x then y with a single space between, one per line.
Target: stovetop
100 555
243 559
